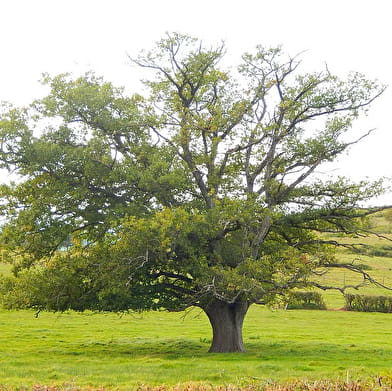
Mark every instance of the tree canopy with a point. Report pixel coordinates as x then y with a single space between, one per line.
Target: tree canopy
204 191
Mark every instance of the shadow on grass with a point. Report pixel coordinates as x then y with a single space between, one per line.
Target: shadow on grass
315 352
174 360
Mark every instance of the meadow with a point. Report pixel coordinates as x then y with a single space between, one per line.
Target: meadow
169 348
154 348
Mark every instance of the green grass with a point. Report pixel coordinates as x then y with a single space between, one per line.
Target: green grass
5 268
166 348
169 348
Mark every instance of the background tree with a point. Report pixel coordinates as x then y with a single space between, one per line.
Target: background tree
203 193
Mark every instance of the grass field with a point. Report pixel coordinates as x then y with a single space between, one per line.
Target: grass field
170 348
166 348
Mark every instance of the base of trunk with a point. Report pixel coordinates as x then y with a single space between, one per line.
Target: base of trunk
226 320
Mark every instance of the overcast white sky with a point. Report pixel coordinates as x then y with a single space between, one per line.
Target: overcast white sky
78 35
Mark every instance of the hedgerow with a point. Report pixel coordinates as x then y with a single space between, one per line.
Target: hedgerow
367 303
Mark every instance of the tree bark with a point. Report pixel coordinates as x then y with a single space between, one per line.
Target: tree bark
226 320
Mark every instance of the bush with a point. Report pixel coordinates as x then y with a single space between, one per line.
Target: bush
42 289
381 251
305 300
365 303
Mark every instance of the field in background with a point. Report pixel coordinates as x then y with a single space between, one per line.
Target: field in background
374 252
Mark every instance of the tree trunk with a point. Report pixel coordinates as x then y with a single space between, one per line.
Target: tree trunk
226 320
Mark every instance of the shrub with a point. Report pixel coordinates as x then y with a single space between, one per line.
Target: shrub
305 300
365 303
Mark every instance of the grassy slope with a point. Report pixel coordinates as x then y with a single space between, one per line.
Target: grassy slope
156 348
380 267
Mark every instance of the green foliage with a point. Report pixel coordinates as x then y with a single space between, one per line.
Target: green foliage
58 285
305 300
366 303
204 189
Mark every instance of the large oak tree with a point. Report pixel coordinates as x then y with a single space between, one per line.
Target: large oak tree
206 191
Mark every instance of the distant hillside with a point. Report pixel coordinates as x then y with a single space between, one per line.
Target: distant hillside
373 252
